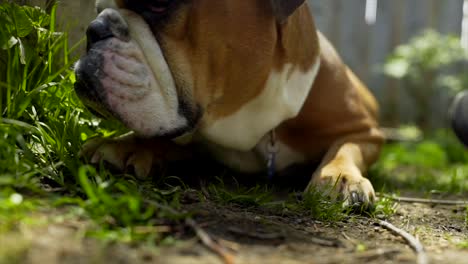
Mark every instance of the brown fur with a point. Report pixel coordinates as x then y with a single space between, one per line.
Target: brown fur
212 40
338 106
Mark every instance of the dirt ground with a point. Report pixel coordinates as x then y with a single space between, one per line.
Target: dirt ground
255 236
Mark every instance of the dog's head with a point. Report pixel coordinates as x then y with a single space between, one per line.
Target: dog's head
162 67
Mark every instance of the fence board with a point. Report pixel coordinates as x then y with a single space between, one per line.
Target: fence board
450 16
365 48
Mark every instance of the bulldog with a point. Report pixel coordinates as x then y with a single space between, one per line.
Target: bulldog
253 82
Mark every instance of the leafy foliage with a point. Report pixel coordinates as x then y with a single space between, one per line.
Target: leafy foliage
429 51
427 65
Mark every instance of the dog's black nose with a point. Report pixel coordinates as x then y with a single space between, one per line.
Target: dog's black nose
98 30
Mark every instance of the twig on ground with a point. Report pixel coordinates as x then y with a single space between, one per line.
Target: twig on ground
205 238
152 229
425 201
351 240
411 240
256 235
233 246
374 254
326 242
371 254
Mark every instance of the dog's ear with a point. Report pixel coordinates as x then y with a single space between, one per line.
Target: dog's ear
282 9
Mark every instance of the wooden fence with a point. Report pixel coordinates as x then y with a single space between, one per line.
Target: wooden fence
365 47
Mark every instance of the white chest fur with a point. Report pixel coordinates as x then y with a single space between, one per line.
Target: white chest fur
256 159
240 140
283 97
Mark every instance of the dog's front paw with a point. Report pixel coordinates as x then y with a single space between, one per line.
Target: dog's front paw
345 183
131 154
123 154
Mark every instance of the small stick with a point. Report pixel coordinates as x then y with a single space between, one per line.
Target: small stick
369 255
202 235
233 246
205 238
411 240
152 229
351 240
425 201
239 231
326 242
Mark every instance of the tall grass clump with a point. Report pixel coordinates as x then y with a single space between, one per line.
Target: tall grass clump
40 116
43 126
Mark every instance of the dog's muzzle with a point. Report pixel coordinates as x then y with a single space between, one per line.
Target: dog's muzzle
125 75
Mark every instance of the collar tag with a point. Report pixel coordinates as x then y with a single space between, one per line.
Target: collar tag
272 150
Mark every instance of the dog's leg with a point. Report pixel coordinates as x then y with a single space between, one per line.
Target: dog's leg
344 166
131 153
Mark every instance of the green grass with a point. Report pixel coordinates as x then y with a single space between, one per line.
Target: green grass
315 204
240 195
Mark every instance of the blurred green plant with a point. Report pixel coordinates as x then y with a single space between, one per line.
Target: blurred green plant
437 163
427 64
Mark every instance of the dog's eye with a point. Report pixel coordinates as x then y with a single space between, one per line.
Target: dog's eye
156 7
